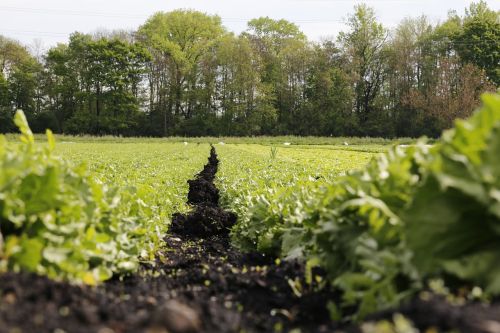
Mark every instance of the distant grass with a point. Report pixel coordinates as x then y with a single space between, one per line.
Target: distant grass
305 160
361 147
264 140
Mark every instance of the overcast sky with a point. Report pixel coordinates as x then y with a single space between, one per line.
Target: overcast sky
51 21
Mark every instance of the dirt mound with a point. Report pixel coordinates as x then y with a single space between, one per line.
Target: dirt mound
207 218
203 221
200 285
202 190
436 311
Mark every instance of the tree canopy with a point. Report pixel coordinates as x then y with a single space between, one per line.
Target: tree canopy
183 73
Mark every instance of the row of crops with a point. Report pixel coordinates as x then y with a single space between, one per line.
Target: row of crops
85 221
382 232
380 222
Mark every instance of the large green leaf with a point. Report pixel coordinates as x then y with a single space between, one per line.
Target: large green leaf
453 220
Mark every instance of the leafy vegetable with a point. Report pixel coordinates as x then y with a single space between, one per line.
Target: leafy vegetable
410 213
68 222
453 221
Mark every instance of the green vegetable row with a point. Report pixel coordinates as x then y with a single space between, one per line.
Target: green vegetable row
412 213
84 222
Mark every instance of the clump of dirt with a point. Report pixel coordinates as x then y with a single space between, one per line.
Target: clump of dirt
433 311
202 190
207 218
201 285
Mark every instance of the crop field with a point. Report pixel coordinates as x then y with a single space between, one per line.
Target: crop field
252 166
271 234
159 170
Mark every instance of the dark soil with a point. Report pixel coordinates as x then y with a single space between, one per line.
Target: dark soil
207 217
436 311
202 284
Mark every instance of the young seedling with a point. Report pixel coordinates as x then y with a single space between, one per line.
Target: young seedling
274 152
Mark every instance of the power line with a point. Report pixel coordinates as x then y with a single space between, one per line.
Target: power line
66 34
33 32
51 11
47 11
65 12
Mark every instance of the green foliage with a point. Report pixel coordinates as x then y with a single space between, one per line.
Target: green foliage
183 44
57 220
410 213
183 73
479 43
453 220
265 191
281 50
274 152
183 34
349 226
94 83
364 47
274 32
63 220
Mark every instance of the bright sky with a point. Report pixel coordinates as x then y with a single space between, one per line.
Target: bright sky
51 21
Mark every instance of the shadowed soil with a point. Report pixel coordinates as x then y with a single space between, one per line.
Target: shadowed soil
207 218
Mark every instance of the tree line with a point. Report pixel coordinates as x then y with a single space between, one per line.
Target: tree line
183 73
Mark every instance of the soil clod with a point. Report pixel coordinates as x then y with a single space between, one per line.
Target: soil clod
207 218
176 317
